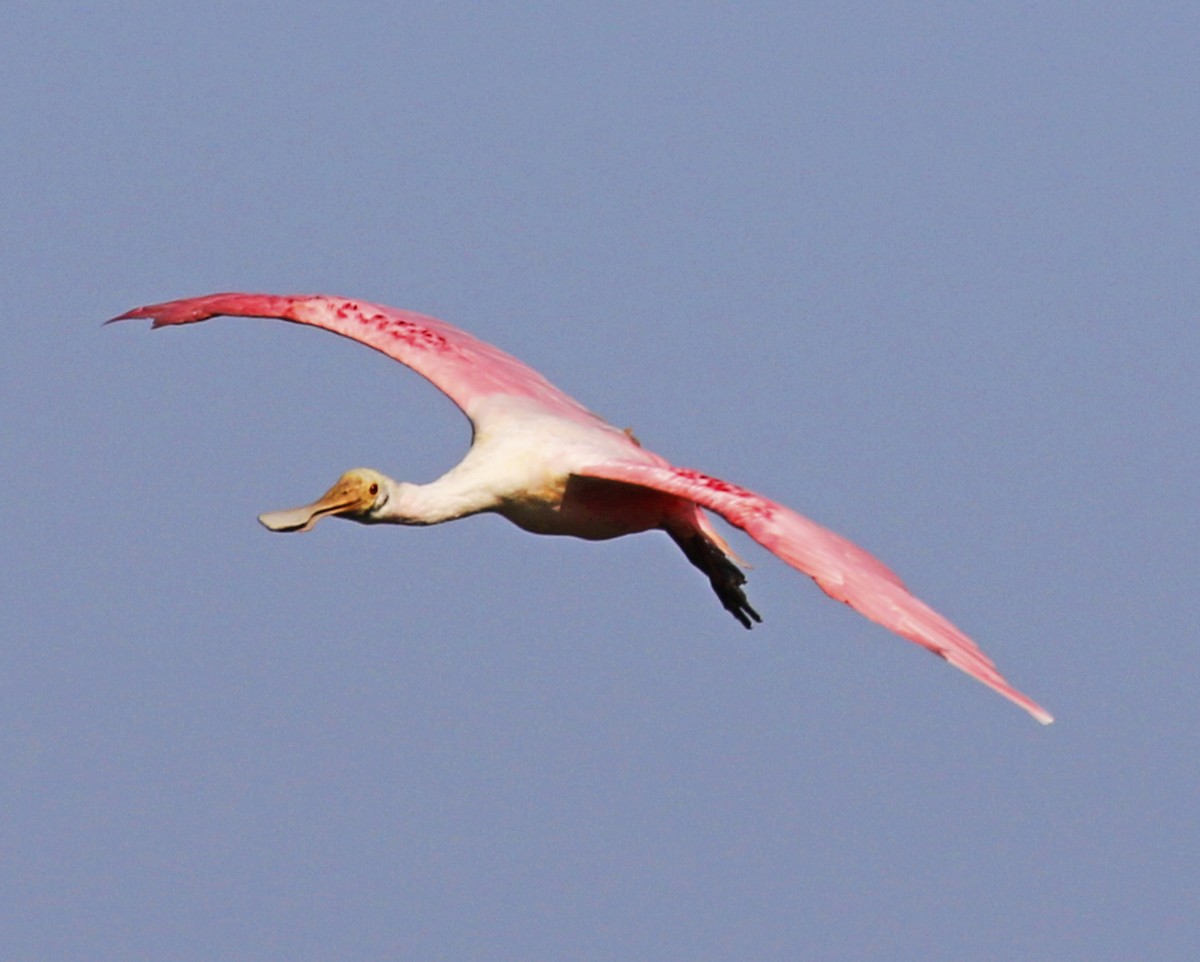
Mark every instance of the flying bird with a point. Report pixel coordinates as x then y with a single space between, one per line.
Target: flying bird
549 465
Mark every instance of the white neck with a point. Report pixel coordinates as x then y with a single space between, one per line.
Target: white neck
449 497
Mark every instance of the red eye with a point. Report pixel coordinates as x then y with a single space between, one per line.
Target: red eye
374 489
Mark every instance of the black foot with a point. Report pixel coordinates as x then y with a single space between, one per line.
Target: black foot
725 577
729 590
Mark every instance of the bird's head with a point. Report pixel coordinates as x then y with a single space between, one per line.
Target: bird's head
357 495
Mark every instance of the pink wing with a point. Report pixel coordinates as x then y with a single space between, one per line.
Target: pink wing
467 369
843 570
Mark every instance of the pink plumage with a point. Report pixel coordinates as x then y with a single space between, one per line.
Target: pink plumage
547 463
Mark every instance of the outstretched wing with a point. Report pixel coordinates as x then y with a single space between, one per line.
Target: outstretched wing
467 369
842 569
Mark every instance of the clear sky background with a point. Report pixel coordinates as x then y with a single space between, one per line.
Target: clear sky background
926 272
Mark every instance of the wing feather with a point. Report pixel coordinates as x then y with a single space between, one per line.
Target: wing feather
842 569
465 368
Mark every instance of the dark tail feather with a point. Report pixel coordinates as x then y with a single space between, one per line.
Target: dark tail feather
725 577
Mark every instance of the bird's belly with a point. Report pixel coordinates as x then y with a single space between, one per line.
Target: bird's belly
589 508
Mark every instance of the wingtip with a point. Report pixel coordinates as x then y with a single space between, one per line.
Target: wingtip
157 314
1031 706
189 310
128 315
172 312
1022 701
1036 710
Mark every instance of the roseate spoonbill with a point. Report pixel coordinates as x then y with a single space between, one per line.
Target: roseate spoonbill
549 465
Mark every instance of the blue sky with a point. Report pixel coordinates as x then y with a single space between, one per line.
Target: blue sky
925 272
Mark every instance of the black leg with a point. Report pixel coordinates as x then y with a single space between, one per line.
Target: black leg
725 577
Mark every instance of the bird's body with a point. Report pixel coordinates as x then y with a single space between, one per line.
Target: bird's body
531 467
549 465
525 459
